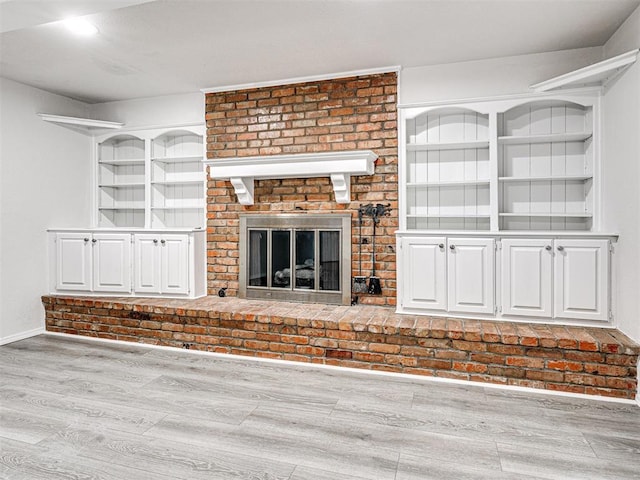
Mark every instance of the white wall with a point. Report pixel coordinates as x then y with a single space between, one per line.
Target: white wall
44 182
497 76
153 111
621 162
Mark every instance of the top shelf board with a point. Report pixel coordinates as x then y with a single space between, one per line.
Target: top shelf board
448 145
87 123
597 74
179 159
550 138
123 161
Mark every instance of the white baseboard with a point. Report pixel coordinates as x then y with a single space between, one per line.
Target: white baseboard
407 376
22 335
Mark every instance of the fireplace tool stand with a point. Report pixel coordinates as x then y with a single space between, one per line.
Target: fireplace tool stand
375 212
359 281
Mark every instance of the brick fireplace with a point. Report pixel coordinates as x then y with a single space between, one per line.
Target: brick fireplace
340 115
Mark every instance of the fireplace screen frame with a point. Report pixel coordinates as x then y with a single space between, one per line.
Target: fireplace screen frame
297 222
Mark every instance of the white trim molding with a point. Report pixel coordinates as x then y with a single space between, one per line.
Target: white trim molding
22 335
339 166
294 80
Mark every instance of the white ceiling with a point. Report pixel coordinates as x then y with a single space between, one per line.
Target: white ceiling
149 48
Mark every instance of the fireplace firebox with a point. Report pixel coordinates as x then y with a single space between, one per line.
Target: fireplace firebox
296 257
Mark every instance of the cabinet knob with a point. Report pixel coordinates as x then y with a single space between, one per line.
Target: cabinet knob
560 248
162 241
548 247
452 247
155 240
441 245
86 239
93 241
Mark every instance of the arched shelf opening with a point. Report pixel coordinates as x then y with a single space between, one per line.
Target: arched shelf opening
447 171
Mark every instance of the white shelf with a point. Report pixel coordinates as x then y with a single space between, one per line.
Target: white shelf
448 145
555 215
87 123
120 208
339 166
123 161
181 159
186 207
122 185
599 73
550 138
553 178
179 182
454 183
450 215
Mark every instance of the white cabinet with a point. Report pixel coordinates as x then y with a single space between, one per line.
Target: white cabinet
146 268
73 267
154 263
527 274
447 275
423 272
111 262
581 278
470 275
92 262
560 278
174 265
161 263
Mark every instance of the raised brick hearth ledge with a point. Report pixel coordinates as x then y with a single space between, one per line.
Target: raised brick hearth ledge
589 360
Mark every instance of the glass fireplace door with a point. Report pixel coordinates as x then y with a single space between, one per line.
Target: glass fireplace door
281 258
305 260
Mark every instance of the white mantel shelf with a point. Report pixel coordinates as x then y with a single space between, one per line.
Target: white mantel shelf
339 166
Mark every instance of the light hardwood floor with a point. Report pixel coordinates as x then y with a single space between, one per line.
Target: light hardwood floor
77 409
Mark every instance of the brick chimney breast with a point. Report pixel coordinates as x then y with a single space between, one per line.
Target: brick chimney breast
346 114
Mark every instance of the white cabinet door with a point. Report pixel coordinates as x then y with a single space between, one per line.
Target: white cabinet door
527 277
424 277
146 269
470 275
73 261
175 264
581 271
111 262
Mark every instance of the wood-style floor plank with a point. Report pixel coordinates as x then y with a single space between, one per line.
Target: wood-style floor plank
71 408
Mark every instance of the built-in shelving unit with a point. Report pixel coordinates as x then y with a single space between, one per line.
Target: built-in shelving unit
177 180
121 181
151 179
523 164
545 166
447 170
501 204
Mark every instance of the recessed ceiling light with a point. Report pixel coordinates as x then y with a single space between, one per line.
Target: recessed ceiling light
80 26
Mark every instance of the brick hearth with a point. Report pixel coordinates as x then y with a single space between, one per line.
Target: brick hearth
565 358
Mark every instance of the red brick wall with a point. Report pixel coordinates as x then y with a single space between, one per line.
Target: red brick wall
357 113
